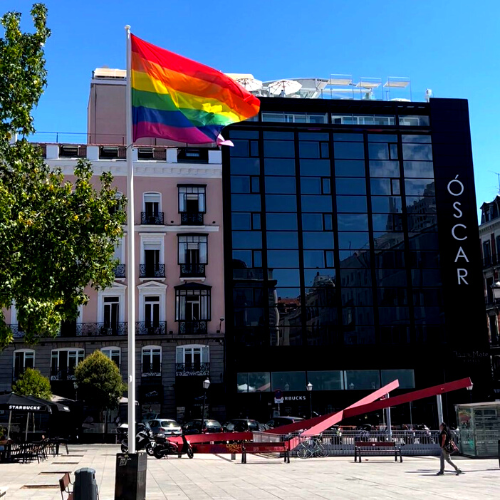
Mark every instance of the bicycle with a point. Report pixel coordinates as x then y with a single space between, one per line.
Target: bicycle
311 448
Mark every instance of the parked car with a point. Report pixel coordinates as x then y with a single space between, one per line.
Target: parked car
194 426
165 426
242 425
279 421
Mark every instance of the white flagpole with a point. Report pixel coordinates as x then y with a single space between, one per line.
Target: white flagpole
130 252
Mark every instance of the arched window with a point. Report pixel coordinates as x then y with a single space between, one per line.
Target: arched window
192 359
113 353
64 362
23 358
151 361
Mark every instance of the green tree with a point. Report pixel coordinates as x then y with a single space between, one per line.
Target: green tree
99 381
33 383
56 237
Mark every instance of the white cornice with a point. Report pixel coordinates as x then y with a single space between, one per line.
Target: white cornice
487 227
146 230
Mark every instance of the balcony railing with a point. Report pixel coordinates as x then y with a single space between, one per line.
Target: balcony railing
192 369
491 260
153 370
152 219
192 270
192 219
192 327
64 374
93 329
151 270
120 271
151 328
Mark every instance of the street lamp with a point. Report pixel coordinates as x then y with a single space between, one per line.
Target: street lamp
309 388
206 385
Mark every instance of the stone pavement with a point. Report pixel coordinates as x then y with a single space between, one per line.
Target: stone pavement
210 477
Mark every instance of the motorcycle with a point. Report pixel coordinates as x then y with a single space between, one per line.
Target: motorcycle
164 447
144 440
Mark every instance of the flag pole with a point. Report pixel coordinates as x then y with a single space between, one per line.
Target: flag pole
130 252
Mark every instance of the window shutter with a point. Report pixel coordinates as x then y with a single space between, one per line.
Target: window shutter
179 355
205 357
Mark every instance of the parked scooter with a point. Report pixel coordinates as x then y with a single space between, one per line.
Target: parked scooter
164 447
144 440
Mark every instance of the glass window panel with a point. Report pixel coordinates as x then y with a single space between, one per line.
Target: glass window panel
386 204
279 167
425 259
384 168
350 168
389 258
326 381
241 148
393 315
352 222
288 381
355 277
242 259
312 222
425 277
351 204
288 136
279 149
315 168
328 222
427 297
314 259
241 221
318 315
417 152
282 239
244 134
255 221
362 379
354 259
354 241
285 277
248 297
349 151
245 166
380 186
320 203
284 185
259 382
278 297
242 382
326 185
378 151
357 297
310 185
350 186
247 239
413 120
348 137
359 335
382 138
422 222
281 221
257 258
313 136
423 241
420 187
309 150
416 138
393 151
240 184
418 204
325 150
318 240
418 169
282 258
255 185
330 259
319 277
390 277
353 316
245 202
254 148
249 316
388 297
396 188
281 203
406 378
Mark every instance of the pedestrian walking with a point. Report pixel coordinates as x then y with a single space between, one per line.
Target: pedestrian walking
446 449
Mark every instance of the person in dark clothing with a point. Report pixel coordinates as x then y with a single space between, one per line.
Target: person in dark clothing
444 443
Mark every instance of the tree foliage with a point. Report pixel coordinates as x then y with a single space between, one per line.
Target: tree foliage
33 383
99 381
57 237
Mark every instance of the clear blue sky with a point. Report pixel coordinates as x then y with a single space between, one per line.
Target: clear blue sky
449 46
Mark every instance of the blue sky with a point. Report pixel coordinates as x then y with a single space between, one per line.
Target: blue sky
448 46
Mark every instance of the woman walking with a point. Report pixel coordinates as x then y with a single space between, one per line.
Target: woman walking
445 444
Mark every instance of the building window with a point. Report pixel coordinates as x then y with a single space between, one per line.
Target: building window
193 360
118 256
192 307
254 382
151 361
152 313
111 317
487 252
23 359
193 255
152 266
64 362
152 214
113 353
192 204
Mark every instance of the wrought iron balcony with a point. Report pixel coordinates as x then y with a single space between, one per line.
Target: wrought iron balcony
151 270
120 271
192 219
192 270
155 219
192 327
192 369
63 374
151 328
92 329
151 370
16 331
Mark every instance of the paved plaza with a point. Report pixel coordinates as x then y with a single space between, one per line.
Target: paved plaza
208 477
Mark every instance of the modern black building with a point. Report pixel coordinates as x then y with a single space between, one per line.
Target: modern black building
352 256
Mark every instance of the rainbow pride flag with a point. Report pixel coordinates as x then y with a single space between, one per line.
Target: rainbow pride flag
182 100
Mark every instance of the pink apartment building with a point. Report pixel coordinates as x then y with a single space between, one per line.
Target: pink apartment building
179 271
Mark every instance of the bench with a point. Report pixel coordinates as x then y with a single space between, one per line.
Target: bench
64 483
265 448
377 449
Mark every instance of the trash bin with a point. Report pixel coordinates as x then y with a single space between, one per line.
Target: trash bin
130 482
85 487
